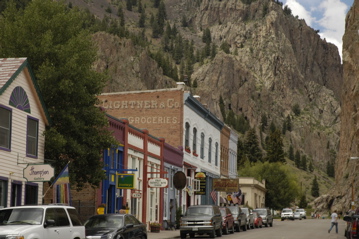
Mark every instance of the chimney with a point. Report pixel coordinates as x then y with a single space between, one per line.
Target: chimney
180 85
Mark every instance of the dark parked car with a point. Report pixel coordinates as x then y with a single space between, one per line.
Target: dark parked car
266 216
352 228
228 220
201 219
240 218
115 226
250 219
258 222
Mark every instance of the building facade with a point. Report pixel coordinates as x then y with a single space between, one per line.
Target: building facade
23 118
253 192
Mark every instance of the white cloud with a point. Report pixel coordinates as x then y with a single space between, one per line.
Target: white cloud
300 11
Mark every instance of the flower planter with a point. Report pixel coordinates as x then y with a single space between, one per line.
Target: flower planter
155 229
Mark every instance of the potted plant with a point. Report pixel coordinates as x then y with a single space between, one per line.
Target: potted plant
188 149
155 227
194 153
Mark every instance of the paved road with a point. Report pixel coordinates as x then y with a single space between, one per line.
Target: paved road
303 229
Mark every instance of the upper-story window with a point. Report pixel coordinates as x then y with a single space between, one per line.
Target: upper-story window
194 146
216 155
186 140
32 137
202 145
5 128
209 150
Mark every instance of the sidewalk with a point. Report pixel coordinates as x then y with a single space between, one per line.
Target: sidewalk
165 234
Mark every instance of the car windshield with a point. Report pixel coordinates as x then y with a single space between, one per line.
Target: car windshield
223 212
198 211
245 210
261 211
233 209
104 222
300 210
287 210
30 216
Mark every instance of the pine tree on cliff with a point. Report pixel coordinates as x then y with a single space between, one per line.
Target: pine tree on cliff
315 187
251 147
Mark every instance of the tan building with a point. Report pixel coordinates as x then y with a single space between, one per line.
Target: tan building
253 192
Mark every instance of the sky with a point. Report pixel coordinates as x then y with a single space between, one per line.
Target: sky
327 16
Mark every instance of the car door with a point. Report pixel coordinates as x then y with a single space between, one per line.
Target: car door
62 228
139 228
129 232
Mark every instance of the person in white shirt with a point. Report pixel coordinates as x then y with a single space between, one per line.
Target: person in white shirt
334 221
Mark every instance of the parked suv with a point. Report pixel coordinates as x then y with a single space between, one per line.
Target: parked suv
201 219
41 222
287 213
240 218
250 218
302 213
266 216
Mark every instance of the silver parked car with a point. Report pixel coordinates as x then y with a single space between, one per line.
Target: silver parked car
302 212
266 216
250 218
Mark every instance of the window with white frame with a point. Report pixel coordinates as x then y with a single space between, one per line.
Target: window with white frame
202 145
186 142
5 128
194 143
32 136
209 150
196 185
216 155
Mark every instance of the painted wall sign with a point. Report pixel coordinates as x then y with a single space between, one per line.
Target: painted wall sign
38 172
125 181
201 176
157 182
225 185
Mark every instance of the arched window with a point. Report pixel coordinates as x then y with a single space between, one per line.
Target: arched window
186 140
202 145
209 150
216 155
194 146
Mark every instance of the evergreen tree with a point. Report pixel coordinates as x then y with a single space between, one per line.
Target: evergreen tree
272 127
140 8
296 110
251 146
222 108
225 47
242 124
156 3
213 51
304 163
206 37
142 20
184 21
284 128
129 5
274 148
291 153
303 201
264 122
315 187
311 168
61 54
289 123
297 160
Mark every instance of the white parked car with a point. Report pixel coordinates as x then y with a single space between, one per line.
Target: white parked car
297 215
41 222
302 212
287 213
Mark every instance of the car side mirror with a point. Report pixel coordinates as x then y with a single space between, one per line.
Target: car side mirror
49 223
129 225
347 218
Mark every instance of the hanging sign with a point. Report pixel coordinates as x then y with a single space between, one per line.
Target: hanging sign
201 176
125 181
157 183
136 194
38 172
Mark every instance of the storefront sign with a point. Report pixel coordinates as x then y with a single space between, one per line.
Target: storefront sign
125 181
136 194
157 183
38 172
201 176
225 185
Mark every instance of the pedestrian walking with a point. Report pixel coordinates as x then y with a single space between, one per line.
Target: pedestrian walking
334 221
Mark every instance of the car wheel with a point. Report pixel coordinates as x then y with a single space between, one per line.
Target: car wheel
238 228
191 235
183 235
225 231
212 234
245 227
219 231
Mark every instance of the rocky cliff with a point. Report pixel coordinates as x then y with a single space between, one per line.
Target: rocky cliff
347 176
275 62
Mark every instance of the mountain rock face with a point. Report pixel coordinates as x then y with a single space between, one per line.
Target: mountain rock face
347 176
275 62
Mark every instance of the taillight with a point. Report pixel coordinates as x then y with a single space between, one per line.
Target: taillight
354 228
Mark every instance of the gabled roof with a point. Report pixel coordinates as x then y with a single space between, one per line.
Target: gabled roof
10 69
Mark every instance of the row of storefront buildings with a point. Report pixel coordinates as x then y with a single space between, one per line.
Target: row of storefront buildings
171 153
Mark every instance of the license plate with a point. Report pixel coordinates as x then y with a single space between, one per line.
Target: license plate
194 229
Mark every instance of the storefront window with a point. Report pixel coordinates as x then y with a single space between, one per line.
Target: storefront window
3 192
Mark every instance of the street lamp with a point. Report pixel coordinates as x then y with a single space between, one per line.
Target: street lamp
352 206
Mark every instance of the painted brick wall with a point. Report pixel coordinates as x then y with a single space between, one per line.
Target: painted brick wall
158 111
